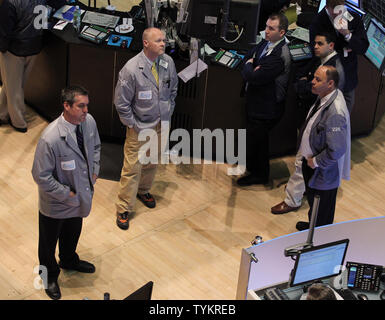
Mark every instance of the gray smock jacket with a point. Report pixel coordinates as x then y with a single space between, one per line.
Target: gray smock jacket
60 167
138 100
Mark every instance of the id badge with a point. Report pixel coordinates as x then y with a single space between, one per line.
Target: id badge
145 95
163 63
68 165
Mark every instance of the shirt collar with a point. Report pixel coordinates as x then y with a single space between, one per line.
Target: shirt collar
327 97
71 127
272 45
328 57
148 60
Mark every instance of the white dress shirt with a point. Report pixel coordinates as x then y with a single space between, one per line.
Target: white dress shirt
305 149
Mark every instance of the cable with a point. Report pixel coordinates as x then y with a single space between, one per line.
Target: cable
235 40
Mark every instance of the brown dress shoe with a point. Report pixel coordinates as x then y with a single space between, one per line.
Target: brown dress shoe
282 208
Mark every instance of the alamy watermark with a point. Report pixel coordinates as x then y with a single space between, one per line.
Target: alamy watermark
188 149
41 280
41 20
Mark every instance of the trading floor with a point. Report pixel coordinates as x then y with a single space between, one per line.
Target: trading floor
189 245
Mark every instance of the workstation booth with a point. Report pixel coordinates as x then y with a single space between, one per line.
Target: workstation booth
347 256
210 100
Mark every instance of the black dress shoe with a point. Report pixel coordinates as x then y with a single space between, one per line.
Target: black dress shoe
82 266
302 225
53 290
250 180
23 130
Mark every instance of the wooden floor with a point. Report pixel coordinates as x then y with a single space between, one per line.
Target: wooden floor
189 245
120 5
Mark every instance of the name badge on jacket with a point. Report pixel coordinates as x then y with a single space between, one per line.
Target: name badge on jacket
68 165
163 63
145 95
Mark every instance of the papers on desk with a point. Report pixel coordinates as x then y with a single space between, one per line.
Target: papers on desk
60 25
206 49
66 13
192 70
301 34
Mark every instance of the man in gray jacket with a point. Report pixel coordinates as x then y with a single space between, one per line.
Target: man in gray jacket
144 99
324 143
65 168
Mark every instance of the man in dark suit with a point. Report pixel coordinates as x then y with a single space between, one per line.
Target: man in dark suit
266 74
351 40
269 7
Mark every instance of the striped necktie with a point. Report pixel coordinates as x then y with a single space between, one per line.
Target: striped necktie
155 73
79 138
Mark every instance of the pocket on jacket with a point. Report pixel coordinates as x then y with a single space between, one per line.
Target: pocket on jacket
73 201
68 170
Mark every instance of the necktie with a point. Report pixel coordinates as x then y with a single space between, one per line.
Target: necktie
265 50
310 115
79 138
155 73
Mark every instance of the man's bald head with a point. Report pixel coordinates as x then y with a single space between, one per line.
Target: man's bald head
154 42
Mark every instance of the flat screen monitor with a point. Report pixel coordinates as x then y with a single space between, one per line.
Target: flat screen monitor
143 293
204 20
319 262
321 5
376 50
355 3
359 11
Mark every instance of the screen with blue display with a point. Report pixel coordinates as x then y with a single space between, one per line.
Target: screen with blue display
319 262
355 3
376 50
321 5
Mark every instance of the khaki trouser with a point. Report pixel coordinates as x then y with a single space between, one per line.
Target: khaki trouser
136 177
14 71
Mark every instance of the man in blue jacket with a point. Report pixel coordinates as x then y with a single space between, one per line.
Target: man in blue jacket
266 74
351 41
324 143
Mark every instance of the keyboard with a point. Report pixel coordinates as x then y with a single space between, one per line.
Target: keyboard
346 294
275 294
100 19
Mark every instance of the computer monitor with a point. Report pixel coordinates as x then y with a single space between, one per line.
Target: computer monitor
204 20
376 50
355 3
349 4
321 5
354 9
143 293
319 262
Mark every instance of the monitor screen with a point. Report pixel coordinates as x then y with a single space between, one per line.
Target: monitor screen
376 50
143 293
204 20
321 5
351 8
355 3
319 262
